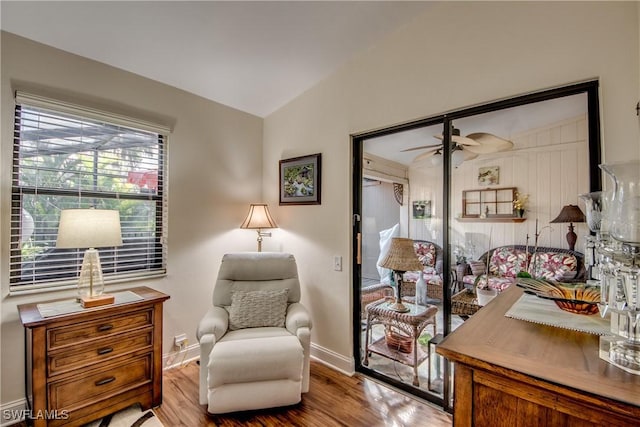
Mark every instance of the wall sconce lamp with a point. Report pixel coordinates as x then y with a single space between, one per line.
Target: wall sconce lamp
259 218
570 214
90 228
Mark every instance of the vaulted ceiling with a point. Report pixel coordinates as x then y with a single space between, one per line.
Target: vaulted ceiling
253 56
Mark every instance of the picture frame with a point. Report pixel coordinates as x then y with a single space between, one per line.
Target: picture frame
489 175
301 180
421 209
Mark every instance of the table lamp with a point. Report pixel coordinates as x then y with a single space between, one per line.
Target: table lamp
570 214
400 258
259 218
90 228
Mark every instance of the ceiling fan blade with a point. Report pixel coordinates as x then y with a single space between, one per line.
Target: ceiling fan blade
488 143
426 155
468 154
460 140
438 146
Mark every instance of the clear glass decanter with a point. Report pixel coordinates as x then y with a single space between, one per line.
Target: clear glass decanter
619 264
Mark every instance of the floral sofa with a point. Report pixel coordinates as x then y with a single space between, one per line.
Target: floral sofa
506 261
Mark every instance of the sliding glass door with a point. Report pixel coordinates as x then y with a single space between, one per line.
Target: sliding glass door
448 184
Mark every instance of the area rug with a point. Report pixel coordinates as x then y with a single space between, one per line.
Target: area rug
132 416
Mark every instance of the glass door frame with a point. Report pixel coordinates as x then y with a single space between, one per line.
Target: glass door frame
590 87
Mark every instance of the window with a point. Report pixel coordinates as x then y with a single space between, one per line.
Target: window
69 157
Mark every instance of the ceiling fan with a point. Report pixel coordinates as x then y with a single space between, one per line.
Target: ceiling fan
464 147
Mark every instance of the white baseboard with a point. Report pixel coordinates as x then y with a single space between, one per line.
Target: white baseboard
332 359
12 412
176 359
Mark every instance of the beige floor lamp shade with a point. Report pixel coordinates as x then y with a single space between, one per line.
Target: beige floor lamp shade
257 219
90 228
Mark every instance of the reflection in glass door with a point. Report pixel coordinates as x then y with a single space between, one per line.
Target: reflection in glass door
401 196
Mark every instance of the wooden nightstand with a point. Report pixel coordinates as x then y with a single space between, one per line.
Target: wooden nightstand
86 364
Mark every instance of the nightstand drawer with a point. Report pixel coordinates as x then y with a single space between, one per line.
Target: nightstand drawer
77 333
80 356
80 391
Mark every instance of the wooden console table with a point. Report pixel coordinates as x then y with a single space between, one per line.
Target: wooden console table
412 323
91 362
510 372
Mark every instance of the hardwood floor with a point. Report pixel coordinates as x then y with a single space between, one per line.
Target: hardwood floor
334 399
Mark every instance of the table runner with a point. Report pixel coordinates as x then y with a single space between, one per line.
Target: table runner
73 306
538 310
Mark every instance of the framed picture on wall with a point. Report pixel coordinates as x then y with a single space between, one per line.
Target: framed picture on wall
300 180
489 175
421 209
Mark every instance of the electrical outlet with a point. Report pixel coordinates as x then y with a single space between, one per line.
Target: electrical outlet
337 263
179 340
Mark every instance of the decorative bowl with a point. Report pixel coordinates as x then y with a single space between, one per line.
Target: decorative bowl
576 298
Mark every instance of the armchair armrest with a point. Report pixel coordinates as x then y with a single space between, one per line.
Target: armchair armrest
215 322
297 317
211 328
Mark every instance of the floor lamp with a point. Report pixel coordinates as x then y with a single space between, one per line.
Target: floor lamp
259 218
90 228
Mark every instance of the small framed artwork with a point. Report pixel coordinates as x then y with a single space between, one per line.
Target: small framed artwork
300 180
489 175
421 209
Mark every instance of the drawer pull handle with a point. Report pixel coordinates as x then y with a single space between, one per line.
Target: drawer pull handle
103 328
105 350
105 381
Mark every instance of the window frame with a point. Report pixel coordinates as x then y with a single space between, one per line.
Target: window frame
155 265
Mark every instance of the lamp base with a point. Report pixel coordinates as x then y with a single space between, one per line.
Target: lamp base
399 307
572 238
96 301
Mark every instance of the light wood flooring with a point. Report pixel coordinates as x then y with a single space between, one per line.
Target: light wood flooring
334 399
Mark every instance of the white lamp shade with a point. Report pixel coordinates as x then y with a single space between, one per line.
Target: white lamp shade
436 160
457 157
259 217
89 228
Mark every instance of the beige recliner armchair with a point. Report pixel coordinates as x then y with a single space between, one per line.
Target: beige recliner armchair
255 339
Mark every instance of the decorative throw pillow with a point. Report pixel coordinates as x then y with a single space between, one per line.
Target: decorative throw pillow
255 309
555 266
426 252
477 267
385 244
507 262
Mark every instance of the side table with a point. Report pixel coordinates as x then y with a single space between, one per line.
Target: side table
85 363
412 323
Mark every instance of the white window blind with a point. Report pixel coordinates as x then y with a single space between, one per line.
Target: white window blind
66 158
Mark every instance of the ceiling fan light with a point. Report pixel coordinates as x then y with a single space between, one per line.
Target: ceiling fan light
457 157
436 160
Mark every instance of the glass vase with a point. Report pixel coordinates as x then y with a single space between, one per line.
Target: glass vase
623 212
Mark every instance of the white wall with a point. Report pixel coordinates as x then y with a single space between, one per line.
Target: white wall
455 55
550 165
214 170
